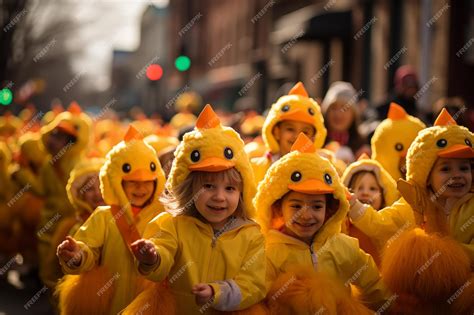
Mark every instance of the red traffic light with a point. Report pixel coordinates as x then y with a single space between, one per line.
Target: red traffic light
154 72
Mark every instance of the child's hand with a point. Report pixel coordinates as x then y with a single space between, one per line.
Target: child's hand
203 293
145 252
68 250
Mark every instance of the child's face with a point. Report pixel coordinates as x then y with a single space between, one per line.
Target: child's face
451 178
216 200
90 192
138 192
287 131
56 141
303 214
340 116
368 191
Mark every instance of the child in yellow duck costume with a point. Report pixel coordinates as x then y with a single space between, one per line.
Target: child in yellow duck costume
303 175
300 113
392 138
84 194
439 189
185 105
30 160
65 139
7 232
100 250
210 251
373 185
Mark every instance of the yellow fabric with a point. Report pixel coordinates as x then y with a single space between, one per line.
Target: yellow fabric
5 160
340 257
384 226
389 186
9 125
387 135
75 183
461 223
159 143
211 142
421 157
99 237
191 253
182 120
102 245
52 184
295 102
275 185
260 165
333 252
423 152
255 148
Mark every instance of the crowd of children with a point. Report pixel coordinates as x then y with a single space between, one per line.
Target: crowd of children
309 219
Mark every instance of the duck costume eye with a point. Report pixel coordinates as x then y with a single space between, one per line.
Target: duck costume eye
328 179
228 153
285 108
126 168
296 176
399 147
195 156
152 166
311 111
468 142
441 143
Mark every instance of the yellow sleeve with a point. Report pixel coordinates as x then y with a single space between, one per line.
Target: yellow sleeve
248 285
360 270
162 232
90 238
469 249
381 225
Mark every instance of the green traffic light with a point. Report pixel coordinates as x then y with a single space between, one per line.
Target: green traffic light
182 63
6 96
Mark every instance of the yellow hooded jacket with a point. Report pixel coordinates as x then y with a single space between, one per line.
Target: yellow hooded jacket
298 106
231 260
444 139
389 192
331 252
99 237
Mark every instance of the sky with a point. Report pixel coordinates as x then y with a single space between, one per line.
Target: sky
116 25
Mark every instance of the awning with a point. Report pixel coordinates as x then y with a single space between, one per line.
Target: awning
312 23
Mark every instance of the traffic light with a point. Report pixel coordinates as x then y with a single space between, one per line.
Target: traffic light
154 72
182 63
6 96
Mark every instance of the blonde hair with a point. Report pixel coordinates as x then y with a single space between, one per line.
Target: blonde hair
181 200
356 179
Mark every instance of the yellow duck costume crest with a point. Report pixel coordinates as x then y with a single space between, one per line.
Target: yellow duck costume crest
212 147
297 106
393 137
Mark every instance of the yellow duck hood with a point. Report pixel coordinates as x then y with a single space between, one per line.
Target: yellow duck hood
211 143
297 105
303 168
74 122
31 148
9 124
393 137
364 163
77 180
441 140
5 160
131 159
160 143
